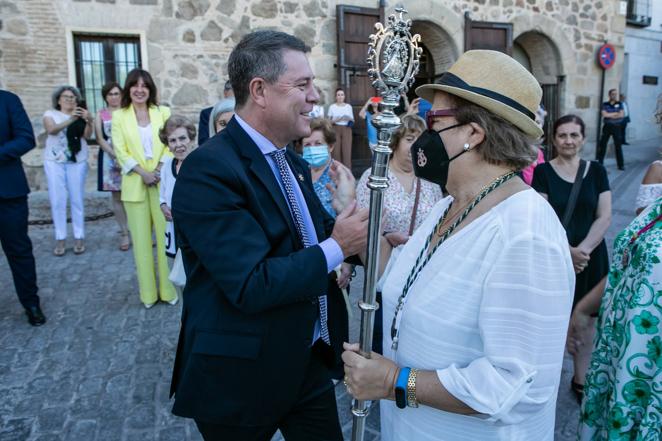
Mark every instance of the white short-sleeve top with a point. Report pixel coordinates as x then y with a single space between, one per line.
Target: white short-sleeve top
56 148
489 313
336 111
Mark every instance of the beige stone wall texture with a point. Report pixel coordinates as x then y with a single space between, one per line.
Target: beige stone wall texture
187 42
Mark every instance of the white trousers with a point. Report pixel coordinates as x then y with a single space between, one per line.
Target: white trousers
66 180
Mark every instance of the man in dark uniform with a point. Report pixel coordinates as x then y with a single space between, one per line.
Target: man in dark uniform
16 139
612 118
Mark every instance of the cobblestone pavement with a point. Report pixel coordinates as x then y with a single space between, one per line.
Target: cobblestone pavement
100 368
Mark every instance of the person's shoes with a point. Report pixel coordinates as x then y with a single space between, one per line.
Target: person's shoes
35 316
79 246
125 243
174 301
577 390
59 249
626 143
149 305
621 168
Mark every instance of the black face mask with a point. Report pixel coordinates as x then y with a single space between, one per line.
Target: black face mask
430 158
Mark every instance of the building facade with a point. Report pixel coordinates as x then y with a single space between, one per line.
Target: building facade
642 70
185 45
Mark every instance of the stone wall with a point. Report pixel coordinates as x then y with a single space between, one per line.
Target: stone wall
187 42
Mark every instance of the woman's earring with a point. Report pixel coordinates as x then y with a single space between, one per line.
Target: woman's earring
466 147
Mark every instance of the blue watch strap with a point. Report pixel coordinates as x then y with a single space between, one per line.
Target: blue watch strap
401 388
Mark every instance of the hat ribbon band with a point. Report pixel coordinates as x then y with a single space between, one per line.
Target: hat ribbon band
449 79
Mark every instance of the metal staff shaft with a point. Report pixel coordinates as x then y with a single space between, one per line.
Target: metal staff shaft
377 182
393 56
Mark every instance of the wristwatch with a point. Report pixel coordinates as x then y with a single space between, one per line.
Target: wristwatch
401 388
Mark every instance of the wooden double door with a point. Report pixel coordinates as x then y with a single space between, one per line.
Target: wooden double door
354 26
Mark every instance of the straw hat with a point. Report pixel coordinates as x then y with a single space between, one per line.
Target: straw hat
496 82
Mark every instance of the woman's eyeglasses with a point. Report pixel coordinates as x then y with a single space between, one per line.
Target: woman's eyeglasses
430 115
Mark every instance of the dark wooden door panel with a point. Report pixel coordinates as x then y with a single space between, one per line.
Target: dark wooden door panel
488 35
354 26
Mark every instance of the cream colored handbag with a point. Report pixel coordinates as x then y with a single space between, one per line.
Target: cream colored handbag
177 275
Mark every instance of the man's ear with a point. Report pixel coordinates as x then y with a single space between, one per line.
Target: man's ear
257 92
477 134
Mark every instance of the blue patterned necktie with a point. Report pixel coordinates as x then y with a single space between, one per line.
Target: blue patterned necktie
284 172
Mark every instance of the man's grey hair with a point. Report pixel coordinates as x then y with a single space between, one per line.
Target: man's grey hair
55 97
259 55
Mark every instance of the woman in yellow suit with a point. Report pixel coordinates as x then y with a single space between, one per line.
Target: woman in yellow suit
140 153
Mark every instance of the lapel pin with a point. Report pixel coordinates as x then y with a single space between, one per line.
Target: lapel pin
300 177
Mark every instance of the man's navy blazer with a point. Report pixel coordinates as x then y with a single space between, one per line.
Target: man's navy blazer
203 125
16 139
251 297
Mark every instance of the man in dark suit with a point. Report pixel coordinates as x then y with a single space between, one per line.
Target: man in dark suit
16 139
263 321
203 119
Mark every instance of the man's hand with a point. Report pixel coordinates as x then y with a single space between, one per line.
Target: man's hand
351 230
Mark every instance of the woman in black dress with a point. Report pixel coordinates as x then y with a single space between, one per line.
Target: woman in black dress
586 227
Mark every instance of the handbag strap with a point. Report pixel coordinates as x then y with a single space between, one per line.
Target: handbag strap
412 224
574 194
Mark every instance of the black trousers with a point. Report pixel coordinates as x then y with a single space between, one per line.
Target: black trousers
17 247
313 418
614 131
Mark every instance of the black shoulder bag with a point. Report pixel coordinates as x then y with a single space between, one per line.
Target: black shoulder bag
574 194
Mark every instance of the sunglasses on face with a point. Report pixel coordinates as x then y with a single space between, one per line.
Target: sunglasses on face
430 115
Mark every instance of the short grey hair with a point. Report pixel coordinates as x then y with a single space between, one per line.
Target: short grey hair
224 105
55 97
260 55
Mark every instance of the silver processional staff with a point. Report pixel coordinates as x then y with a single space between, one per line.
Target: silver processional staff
393 57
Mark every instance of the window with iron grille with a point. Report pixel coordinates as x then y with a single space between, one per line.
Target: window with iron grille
639 13
101 59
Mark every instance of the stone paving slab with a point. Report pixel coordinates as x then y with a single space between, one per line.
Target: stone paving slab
100 368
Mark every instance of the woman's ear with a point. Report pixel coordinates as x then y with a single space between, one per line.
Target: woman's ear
331 147
476 135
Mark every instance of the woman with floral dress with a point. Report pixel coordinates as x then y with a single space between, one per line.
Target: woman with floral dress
109 172
623 391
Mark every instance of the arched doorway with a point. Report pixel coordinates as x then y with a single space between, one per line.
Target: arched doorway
439 53
539 54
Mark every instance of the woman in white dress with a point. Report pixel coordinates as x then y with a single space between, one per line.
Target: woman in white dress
477 302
